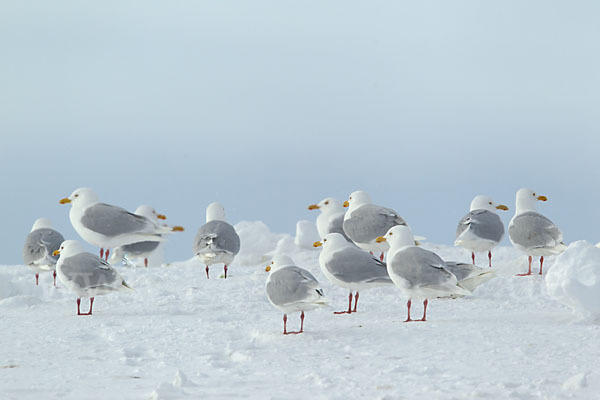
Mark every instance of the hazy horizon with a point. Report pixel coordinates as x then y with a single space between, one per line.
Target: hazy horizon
269 106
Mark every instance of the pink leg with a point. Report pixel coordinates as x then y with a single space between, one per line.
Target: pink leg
37 279
424 311
207 272
301 322
107 251
285 324
490 257
146 262
529 272
381 257
54 276
473 258
371 253
91 304
78 306
408 304
101 253
541 264
349 306
225 269
355 301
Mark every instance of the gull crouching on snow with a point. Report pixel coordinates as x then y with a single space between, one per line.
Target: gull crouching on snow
351 268
292 289
39 247
531 232
481 229
419 273
216 242
108 226
85 274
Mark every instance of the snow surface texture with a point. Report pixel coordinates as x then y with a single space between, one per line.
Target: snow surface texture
575 279
179 335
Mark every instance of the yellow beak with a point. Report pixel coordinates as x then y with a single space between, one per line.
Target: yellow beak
542 198
346 204
55 253
65 200
177 229
161 216
502 207
313 207
380 239
268 268
317 244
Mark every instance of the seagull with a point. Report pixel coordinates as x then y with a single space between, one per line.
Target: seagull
481 229
143 249
217 241
347 266
364 222
469 276
108 226
39 246
419 273
531 232
331 219
86 274
292 289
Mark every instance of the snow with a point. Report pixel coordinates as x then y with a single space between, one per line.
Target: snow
575 279
179 335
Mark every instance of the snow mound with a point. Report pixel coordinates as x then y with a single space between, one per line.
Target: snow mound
574 279
306 234
256 242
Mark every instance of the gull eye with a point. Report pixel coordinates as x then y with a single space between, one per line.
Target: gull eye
326 202
324 240
534 194
76 195
391 233
490 202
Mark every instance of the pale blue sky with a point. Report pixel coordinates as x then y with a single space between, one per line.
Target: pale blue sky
268 106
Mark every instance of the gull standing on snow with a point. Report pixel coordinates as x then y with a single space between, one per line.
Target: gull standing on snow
292 289
39 247
217 241
331 218
481 229
419 273
349 267
531 232
86 274
364 222
143 249
108 226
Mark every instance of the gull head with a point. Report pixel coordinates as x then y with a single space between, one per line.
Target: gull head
331 241
357 198
527 199
327 204
398 236
279 261
69 248
482 202
81 197
149 212
41 223
215 212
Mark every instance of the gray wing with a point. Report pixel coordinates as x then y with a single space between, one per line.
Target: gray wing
353 265
460 270
420 267
533 230
483 223
40 244
370 221
290 285
114 221
139 248
336 225
86 270
217 236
